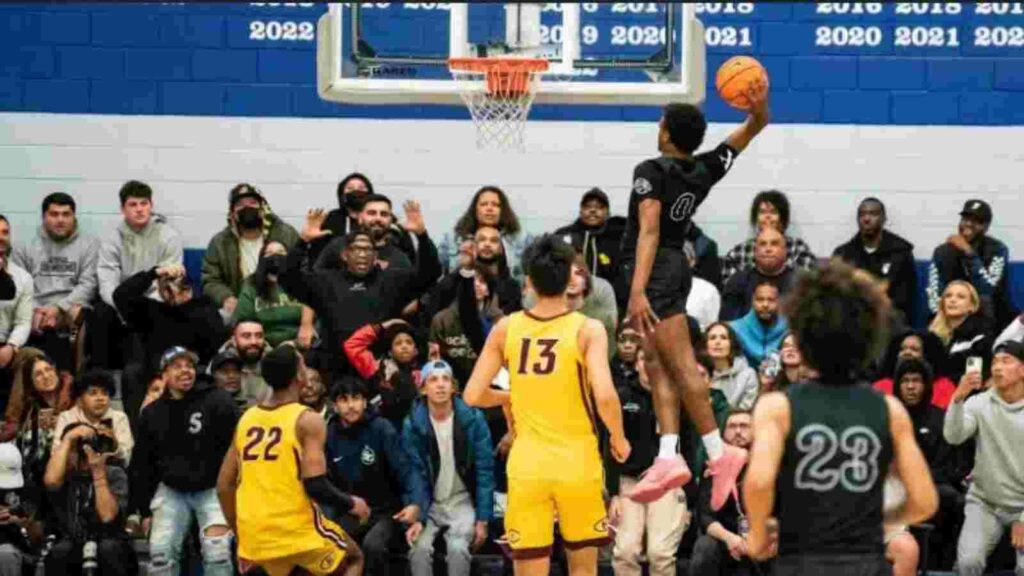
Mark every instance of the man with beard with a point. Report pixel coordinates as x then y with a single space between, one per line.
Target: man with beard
249 342
762 329
770 265
62 263
394 249
313 394
234 252
972 255
888 256
598 237
15 310
484 253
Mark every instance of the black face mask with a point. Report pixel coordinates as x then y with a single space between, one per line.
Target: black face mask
273 264
354 201
249 218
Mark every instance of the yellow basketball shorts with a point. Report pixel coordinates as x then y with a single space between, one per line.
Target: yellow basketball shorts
322 561
534 505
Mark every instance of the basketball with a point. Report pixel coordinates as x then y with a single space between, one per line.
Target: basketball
735 76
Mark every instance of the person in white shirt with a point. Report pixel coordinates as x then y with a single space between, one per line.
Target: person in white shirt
704 302
16 291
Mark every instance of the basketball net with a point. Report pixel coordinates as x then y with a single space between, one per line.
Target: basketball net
498 93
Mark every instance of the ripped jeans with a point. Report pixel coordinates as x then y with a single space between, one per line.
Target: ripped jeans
173 512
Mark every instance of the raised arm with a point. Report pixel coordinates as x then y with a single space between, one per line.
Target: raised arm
479 392
756 120
961 423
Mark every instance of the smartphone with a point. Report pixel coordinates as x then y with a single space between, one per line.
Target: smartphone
974 364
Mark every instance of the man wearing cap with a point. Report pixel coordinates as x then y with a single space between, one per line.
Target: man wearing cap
972 255
226 371
181 440
15 549
449 446
235 251
995 418
598 235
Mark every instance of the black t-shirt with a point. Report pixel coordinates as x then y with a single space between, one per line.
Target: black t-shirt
75 505
680 186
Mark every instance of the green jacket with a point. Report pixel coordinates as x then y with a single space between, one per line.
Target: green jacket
222 269
280 316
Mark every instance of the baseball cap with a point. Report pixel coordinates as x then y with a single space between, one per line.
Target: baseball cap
1013 348
229 356
435 367
244 191
10 467
595 194
978 209
174 353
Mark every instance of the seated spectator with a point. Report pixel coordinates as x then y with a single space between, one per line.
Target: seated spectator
91 393
597 237
314 394
769 266
33 418
732 375
664 520
1015 331
394 246
262 300
995 500
791 363
393 375
964 331
490 207
90 501
249 342
704 302
345 218
234 252
770 209
226 371
177 320
887 256
16 289
181 441
141 241
761 330
923 346
62 263
722 546
971 255
367 460
18 529
627 352
361 293
707 265
459 475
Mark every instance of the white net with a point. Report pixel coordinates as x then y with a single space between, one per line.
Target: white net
499 95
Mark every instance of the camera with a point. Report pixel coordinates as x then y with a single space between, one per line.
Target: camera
100 443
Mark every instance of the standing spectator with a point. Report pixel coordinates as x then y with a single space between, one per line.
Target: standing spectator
761 330
361 293
732 375
92 393
235 251
263 300
707 264
995 417
394 246
770 209
664 520
15 310
226 371
963 329
973 256
182 438
62 263
345 218
16 522
449 447
177 319
394 375
923 346
704 303
888 256
313 394
490 207
249 342
90 503
367 460
770 265
598 236
142 241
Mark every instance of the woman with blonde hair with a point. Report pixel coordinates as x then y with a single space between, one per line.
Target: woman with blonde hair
965 332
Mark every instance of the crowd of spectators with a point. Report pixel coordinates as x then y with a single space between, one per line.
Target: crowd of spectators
122 378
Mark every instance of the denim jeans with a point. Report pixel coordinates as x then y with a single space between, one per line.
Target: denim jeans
460 520
173 514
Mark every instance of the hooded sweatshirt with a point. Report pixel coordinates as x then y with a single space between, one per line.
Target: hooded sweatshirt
759 340
739 384
125 252
892 261
63 272
928 430
600 247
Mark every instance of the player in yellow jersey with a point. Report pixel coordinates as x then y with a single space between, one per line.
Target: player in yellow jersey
274 477
557 362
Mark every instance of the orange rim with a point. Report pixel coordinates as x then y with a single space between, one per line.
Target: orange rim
505 76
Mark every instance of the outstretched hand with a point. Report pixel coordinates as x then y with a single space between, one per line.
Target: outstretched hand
757 97
413 217
313 226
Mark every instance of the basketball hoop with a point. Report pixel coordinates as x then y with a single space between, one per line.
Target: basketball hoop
498 93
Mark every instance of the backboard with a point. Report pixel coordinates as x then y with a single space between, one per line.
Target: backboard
618 53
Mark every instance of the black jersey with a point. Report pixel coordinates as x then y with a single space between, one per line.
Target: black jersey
837 455
681 186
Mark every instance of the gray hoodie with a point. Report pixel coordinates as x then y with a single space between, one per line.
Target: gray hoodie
126 252
64 272
739 384
998 461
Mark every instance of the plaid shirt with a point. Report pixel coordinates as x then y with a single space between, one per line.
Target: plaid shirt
741 257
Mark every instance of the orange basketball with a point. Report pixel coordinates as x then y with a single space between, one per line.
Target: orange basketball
736 76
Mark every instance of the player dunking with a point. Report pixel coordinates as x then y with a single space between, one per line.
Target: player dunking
558 369
666 193
823 448
276 470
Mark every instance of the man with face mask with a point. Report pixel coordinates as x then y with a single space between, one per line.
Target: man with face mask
234 252
394 249
770 265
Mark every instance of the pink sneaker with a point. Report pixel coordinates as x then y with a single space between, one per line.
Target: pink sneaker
664 475
724 473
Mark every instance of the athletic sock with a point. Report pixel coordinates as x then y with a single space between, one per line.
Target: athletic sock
713 444
669 443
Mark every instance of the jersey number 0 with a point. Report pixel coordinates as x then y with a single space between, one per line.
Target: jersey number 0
546 363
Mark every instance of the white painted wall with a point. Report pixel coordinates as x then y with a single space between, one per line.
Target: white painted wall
923 174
